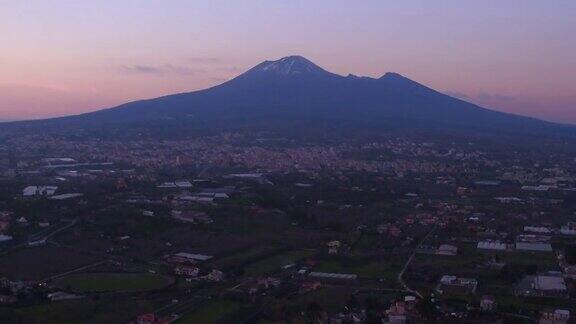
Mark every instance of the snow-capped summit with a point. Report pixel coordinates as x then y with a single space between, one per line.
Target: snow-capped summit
290 65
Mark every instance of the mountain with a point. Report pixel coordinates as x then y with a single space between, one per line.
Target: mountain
295 94
5 120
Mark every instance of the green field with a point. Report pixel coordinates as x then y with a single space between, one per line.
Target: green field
465 263
446 262
276 262
242 257
86 310
104 282
544 260
511 303
212 312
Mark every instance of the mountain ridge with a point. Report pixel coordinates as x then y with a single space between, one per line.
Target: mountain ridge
294 90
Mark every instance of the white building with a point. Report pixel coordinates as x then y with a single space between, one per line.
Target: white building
533 247
568 229
558 316
5 238
194 257
537 229
67 196
32 191
447 249
490 245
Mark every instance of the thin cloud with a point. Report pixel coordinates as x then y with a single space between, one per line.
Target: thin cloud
456 94
207 60
141 69
230 69
495 97
219 79
166 69
482 97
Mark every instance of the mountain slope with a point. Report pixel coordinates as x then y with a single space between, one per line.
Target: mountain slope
294 91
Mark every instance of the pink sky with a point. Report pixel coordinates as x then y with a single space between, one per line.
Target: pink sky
64 57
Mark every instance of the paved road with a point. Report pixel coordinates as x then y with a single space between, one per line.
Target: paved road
77 269
401 273
39 236
187 304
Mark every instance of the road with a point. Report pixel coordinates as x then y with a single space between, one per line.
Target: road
186 304
50 235
401 273
39 236
77 269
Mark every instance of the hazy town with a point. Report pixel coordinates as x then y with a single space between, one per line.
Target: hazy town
241 228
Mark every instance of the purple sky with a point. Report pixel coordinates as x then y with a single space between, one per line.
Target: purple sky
63 57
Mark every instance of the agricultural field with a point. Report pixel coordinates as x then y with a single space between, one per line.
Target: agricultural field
42 262
86 310
244 256
212 312
106 282
543 260
274 263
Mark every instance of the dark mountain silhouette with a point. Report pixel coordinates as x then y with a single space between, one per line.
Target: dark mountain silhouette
294 92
